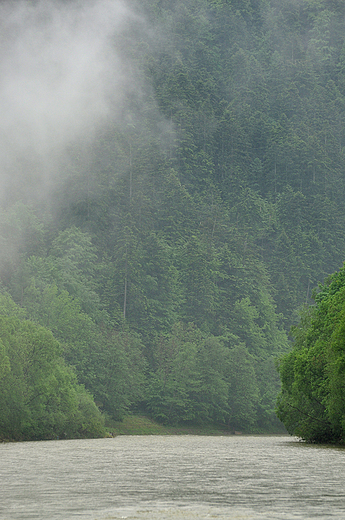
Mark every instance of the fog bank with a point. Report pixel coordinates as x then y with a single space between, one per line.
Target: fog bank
62 76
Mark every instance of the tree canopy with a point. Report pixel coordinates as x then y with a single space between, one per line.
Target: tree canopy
311 403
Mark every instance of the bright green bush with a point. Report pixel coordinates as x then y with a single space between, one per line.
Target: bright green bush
312 401
39 395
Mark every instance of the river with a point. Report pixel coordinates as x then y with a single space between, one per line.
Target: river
172 478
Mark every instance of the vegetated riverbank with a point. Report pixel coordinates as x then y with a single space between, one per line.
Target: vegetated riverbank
142 425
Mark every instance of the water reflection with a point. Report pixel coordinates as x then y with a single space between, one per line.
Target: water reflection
171 477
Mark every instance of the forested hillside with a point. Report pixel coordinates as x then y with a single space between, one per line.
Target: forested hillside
173 247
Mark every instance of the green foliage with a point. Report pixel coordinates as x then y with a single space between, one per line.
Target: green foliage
198 379
39 396
243 389
187 383
75 262
199 268
109 363
119 367
311 403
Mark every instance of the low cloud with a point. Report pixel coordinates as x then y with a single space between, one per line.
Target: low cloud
62 76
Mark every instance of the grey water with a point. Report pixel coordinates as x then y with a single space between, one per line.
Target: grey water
171 478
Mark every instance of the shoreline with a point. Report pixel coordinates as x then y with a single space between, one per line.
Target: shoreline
142 425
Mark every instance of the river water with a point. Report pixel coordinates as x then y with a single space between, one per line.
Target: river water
172 478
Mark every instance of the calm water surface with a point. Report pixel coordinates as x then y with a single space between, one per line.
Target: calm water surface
172 478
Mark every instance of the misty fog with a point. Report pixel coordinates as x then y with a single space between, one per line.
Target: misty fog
63 76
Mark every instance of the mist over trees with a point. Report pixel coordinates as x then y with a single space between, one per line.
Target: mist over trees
172 192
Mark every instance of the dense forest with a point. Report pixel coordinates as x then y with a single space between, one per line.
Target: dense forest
155 262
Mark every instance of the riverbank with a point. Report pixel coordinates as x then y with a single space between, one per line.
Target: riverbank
141 425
